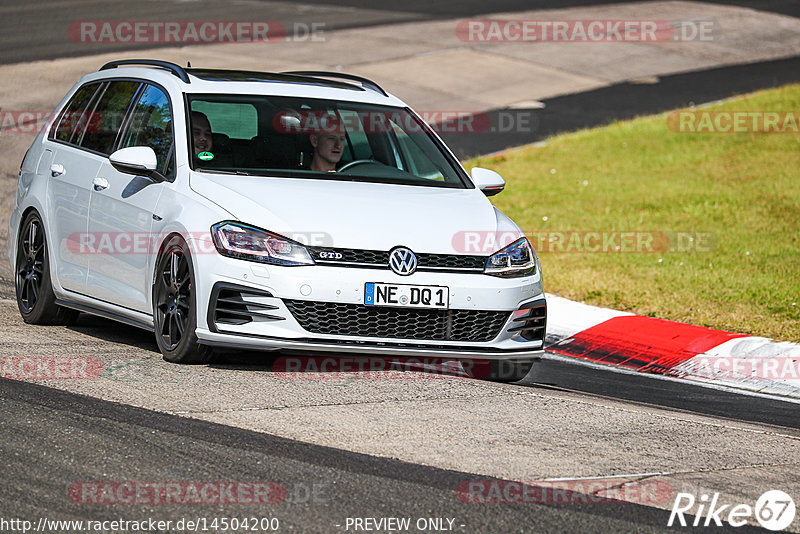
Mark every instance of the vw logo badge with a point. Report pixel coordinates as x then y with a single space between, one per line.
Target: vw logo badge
402 261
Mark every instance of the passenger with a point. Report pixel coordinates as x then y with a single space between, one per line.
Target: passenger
202 137
328 145
206 152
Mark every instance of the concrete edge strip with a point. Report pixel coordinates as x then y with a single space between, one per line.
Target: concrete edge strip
671 349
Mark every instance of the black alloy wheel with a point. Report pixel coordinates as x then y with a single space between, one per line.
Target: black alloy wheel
35 297
174 310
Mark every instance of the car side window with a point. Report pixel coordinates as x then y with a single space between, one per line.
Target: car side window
234 120
359 144
420 163
72 118
151 125
105 119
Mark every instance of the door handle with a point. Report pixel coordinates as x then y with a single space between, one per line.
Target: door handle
56 169
100 184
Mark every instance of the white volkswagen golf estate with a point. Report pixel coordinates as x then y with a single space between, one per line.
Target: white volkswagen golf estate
290 211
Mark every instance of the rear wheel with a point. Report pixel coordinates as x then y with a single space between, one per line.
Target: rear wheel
35 298
174 306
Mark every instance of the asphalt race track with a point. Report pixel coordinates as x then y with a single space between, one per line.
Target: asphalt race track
89 439
54 438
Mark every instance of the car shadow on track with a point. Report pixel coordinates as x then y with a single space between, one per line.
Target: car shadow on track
336 365
114 332
271 361
548 375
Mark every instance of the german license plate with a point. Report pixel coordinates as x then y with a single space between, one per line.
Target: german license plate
406 296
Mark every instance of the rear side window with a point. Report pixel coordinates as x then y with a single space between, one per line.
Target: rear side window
236 120
105 119
151 125
72 118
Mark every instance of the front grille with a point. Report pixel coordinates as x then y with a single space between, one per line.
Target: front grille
397 323
531 325
350 255
380 259
451 261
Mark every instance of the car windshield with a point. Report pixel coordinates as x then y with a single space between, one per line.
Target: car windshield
314 138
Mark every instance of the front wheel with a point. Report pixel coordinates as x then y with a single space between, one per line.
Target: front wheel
174 306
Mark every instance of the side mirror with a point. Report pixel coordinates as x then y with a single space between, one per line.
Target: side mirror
137 160
487 181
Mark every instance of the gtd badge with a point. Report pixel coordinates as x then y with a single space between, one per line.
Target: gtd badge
330 255
402 261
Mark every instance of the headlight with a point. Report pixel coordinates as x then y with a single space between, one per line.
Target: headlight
250 243
514 261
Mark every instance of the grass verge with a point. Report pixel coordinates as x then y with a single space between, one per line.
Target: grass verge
735 195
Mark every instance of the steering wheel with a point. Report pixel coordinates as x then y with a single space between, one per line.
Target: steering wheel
356 162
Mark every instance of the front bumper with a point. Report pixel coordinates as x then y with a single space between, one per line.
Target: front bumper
223 340
260 293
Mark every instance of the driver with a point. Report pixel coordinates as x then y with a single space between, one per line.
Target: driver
328 145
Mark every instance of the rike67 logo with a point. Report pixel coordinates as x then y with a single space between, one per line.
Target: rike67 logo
774 510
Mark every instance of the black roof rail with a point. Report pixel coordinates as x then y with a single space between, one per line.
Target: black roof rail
177 70
366 82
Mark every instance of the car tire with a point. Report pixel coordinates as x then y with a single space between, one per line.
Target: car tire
34 289
174 306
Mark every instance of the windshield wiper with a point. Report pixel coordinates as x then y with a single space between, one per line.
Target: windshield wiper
220 171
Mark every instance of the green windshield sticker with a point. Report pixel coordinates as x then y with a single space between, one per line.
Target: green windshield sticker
205 156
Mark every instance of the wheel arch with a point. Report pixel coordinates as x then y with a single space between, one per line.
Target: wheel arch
165 236
14 242
162 245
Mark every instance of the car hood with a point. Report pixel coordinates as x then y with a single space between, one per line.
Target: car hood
347 214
